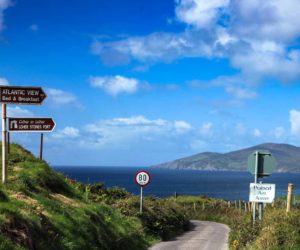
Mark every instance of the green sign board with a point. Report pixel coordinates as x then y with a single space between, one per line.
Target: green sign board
266 163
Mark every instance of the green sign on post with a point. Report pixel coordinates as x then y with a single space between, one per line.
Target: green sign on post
266 163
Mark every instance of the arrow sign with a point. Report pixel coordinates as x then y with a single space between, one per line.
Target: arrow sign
31 124
21 95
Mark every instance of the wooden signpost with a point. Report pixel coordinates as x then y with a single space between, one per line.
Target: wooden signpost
22 95
142 178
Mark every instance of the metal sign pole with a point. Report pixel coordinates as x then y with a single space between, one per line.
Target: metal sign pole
260 210
8 143
4 166
255 181
141 200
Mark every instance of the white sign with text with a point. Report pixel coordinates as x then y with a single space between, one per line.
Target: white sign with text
262 192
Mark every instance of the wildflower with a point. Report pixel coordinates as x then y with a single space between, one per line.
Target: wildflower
235 244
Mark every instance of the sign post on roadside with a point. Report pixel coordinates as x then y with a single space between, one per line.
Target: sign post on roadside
22 95
260 164
17 95
4 153
262 192
32 125
142 178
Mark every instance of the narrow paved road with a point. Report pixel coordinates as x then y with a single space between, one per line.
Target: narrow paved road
204 235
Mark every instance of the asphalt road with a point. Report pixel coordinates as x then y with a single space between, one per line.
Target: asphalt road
204 235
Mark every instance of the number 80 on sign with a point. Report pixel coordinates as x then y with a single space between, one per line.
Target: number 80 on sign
142 178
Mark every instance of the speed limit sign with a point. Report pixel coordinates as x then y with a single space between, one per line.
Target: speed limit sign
142 178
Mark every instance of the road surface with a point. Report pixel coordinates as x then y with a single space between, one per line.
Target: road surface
204 235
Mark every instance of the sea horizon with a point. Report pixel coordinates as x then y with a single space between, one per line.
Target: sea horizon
229 185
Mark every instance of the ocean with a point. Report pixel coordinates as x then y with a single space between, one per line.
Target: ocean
218 184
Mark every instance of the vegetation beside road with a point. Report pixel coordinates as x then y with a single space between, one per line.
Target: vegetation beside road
42 209
279 230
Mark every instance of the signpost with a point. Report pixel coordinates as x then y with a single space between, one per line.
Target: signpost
30 124
142 178
22 95
260 164
262 192
4 155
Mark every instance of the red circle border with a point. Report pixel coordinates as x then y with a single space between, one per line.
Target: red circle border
144 172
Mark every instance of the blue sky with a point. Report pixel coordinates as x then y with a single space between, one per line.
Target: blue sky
142 82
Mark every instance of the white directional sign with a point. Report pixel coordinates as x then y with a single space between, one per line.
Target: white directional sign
264 193
142 178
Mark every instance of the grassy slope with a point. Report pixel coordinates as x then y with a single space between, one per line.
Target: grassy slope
41 209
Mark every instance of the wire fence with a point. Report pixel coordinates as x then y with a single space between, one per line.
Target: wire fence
242 204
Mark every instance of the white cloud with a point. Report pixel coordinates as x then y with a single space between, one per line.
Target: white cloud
224 38
152 48
182 126
200 13
240 92
284 66
206 129
136 121
237 86
125 131
4 81
60 97
257 133
295 122
267 19
67 132
258 38
4 4
18 112
115 85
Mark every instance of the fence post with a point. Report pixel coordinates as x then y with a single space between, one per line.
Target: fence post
289 197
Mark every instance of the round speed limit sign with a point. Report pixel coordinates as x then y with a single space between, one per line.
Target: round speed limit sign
142 178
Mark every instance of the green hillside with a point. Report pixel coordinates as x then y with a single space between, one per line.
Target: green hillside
41 209
287 156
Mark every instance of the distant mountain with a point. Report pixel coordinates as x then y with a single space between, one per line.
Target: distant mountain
287 156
